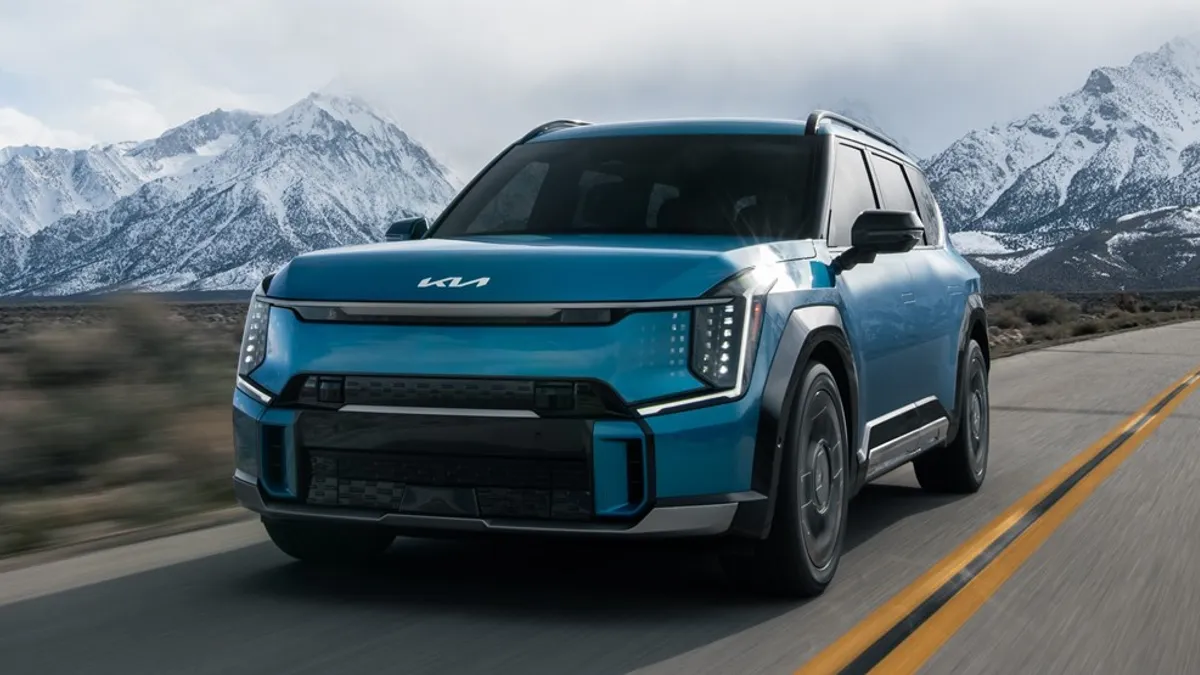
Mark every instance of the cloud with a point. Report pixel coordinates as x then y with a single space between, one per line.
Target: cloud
106 85
467 76
123 113
17 128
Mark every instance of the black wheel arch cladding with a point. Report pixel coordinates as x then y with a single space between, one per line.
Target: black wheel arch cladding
798 346
976 331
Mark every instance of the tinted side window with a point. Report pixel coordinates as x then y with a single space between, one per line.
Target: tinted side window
927 206
893 186
852 193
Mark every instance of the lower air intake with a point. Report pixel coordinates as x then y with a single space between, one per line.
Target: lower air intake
476 487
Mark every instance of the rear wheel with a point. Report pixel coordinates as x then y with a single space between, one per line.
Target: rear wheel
801 554
328 544
960 466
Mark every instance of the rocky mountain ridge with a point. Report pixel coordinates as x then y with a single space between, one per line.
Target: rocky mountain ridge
1096 188
219 201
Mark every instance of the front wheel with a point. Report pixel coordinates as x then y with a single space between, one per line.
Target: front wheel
328 544
800 556
960 466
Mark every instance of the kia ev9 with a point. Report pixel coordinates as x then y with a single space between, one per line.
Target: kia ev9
687 328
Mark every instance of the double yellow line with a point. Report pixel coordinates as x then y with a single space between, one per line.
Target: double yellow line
903 633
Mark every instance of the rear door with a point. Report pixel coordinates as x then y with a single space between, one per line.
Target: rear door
878 296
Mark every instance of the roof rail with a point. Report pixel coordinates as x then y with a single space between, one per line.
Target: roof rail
551 126
817 116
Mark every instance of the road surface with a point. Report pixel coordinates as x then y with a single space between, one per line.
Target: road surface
1113 589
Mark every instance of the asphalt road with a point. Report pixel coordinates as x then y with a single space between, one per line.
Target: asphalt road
1114 589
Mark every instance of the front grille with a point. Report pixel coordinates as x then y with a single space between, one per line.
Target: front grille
440 392
555 398
446 485
433 465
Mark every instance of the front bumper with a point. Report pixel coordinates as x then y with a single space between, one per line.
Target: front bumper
694 520
684 474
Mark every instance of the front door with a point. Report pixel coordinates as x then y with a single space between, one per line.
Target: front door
878 296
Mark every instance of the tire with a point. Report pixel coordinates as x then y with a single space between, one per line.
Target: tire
328 544
960 466
800 556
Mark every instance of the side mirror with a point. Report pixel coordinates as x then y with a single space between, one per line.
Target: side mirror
409 228
881 231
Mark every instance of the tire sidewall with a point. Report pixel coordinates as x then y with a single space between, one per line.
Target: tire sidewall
975 362
816 377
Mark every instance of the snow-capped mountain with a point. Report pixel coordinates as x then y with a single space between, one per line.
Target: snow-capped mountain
192 143
40 185
228 197
1024 197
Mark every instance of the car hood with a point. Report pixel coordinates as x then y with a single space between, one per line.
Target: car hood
568 268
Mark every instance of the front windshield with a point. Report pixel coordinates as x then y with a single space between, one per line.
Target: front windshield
751 186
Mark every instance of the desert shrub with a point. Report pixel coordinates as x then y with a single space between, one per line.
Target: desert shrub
1050 331
1090 327
1040 309
1126 302
1005 319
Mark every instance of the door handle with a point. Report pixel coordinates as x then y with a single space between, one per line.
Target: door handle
908 298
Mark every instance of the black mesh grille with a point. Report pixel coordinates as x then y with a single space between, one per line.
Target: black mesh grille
440 393
434 465
558 489
569 398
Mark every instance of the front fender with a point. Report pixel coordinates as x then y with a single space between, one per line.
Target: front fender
808 329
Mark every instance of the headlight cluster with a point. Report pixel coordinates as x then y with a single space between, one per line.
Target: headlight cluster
725 335
254 337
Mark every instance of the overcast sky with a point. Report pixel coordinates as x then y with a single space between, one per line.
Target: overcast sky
466 76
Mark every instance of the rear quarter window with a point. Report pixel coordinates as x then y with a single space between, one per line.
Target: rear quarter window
927 207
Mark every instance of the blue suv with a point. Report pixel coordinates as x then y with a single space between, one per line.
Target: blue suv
688 328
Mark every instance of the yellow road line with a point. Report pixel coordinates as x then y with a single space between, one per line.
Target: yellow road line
900 635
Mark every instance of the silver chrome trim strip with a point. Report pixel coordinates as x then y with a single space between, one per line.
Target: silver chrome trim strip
248 387
447 412
483 309
896 452
866 441
663 521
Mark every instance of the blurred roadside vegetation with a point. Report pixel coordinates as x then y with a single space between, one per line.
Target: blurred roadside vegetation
1033 319
117 415
112 416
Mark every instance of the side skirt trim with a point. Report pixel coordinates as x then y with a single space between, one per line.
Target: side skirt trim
891 455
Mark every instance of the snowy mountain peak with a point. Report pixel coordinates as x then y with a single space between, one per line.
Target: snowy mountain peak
328 116
222 200
1121 139
1126 142
10 152
40 185
196 136
1182 53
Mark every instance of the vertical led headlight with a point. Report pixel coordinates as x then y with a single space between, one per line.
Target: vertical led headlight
725 332
254 336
